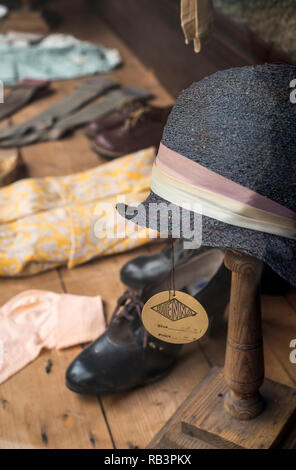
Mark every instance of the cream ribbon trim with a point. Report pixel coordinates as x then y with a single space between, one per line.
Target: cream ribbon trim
220 207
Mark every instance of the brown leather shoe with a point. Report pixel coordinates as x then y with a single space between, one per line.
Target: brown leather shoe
12 167
112 120
143 128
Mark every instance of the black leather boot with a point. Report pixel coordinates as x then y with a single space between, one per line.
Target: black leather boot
144 271
126 356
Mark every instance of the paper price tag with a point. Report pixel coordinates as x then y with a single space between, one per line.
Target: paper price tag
178 318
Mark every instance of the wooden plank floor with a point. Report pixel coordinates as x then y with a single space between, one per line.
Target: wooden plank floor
36 408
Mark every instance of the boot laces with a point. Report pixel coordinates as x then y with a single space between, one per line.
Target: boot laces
129 306
136 117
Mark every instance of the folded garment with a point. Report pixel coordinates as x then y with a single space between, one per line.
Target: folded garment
52 221
114 101
85 92
21 94
41 128
38 319
54 57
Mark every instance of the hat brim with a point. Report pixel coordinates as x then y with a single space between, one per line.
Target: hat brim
278 252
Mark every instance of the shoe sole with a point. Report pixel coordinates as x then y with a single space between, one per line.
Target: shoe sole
120 389
109 154
90 136
101 151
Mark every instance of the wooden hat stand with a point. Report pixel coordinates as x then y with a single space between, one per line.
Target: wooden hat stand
227 410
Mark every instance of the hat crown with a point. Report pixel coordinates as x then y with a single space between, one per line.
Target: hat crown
240 123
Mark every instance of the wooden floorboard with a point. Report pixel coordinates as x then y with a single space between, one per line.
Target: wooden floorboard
26 398
279 328
148 408
36 408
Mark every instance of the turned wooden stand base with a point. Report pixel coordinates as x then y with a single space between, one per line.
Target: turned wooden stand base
227 410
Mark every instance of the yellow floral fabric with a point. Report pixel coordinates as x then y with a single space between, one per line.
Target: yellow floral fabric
54 221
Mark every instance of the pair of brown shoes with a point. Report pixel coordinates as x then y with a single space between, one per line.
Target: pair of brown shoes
133 127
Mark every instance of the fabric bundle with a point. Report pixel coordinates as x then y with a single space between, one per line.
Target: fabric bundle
52 221
37 319
54 57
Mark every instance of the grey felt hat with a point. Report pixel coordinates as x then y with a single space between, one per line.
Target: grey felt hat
241 124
